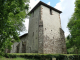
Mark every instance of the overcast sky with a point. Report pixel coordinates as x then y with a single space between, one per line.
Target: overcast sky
66 6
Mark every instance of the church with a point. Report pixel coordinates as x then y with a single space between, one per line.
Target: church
45 34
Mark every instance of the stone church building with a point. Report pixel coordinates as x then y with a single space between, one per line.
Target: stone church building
45 34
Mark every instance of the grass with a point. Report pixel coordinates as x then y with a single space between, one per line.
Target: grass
18 58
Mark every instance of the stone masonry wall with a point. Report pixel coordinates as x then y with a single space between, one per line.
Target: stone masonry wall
32 43
64 51
51 32
20 47
40 49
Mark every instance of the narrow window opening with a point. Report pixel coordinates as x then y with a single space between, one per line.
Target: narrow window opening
50 11
33 33
33 13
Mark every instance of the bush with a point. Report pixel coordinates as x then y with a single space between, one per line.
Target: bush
37 56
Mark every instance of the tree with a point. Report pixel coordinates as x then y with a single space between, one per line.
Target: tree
74 27
12 14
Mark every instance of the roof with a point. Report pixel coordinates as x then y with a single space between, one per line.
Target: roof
42 3
23 35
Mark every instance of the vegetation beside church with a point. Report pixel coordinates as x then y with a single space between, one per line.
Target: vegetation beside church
74 29
37 56
12 13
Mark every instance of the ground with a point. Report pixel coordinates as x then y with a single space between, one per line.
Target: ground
3 58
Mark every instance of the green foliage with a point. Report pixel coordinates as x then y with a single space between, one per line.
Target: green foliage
74 28
38 56
12 14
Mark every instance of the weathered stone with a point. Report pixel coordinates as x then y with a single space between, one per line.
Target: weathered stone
45 34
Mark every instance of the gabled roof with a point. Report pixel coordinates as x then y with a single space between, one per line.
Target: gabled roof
42 3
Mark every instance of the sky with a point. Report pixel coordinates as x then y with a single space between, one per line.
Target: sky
66 6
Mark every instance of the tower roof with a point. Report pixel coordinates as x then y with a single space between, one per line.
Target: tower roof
42 3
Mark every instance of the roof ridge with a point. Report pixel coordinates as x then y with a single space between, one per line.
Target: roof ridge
42 3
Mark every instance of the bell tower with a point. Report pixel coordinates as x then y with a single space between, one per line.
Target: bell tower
45 34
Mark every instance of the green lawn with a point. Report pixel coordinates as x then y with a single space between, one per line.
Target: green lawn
3 58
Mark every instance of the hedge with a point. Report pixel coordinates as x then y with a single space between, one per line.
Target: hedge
37 56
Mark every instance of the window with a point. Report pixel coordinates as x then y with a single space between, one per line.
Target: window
33 13
33 33
50 11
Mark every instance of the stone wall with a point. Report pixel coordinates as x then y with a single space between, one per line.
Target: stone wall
20 47
33 32
40 49
51 32
64 50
